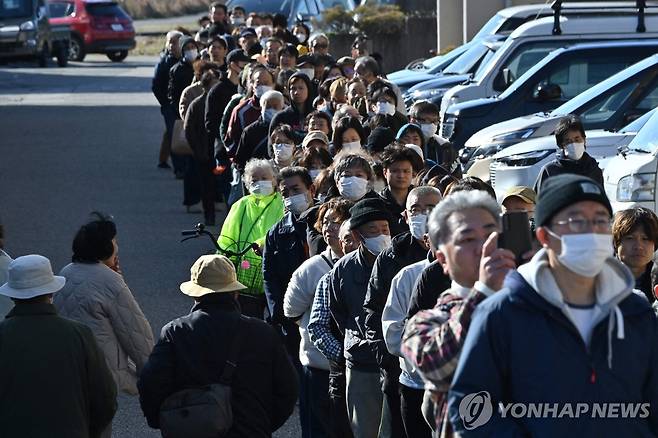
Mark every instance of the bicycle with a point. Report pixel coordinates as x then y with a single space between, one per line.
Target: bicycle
245 264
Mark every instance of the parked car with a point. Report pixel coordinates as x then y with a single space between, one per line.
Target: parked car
27 33
292 9
557 78
532 42
611 104
520 165
502 23
630 177
97 26
459 71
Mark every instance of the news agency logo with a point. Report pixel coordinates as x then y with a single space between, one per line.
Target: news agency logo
476 409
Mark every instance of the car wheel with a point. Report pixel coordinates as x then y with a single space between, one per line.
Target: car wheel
117 56
43 56
76 49
62 55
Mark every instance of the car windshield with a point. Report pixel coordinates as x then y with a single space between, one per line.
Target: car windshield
638 123
466 62
15 8
491 27
646 139
105 10
60 9
269 6
448 58
574 105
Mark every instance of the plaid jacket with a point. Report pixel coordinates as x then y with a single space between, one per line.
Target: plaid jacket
433 341
320 321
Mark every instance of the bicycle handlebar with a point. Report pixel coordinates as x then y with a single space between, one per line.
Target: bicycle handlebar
200 230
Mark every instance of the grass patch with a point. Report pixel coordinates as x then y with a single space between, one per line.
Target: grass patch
163 8
147 45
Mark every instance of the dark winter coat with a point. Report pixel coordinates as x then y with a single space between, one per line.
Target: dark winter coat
253 143
160 82
432 282
54 381
192 351
586 166
180 77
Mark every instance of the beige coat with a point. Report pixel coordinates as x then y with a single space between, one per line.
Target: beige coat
190 93
98 297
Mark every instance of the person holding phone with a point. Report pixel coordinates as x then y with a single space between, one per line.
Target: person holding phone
563 329
463 230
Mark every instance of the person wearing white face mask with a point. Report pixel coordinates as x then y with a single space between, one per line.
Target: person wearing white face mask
247 222
437 149
348 136
406 248
254 139
249 110
282 146
569 322
571 156
348 281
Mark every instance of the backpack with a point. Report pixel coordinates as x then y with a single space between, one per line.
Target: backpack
205 411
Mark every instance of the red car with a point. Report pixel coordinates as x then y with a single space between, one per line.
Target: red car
97 26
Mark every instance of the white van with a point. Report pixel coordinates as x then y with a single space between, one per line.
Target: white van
630 177
531 42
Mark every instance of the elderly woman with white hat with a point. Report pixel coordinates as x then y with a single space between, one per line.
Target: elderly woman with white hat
195 350
53 378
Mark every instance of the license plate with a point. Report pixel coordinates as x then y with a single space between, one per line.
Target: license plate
117 27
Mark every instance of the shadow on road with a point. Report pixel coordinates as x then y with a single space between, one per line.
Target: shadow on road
17 81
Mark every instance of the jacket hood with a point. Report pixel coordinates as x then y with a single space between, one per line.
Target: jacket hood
613 285
413 127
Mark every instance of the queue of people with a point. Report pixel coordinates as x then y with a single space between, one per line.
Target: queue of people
360 273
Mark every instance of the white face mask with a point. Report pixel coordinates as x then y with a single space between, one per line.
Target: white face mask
190 55
429 129
282 151
377 244
297 203
352 187
585 253
314 173
574 151
418 225
263 188
310 72
262 89
301 37
352 146
385 108
237 21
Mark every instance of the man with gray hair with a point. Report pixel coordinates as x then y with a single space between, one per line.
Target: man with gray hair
159 86
464 229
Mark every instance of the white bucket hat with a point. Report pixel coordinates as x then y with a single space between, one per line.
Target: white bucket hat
31 276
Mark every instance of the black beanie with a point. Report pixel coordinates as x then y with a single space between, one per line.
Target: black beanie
561 191
367 210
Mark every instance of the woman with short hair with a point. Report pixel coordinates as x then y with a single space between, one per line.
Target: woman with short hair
96 295
635 239
247 222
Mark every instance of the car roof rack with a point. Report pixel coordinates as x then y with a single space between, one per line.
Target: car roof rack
640 6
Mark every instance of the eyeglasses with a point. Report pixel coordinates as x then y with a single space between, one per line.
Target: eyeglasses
582 225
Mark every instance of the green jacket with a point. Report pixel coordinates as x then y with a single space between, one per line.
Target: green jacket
248 221
54 381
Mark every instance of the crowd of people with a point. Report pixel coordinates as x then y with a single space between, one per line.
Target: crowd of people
373 291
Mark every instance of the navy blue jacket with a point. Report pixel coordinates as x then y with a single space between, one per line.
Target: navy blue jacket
285 250
160 82
520 348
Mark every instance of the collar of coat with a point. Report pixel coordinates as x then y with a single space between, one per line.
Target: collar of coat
24 309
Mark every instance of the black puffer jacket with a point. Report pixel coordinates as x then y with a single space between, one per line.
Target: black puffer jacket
404 251
586 166
192 351
180 76
253 143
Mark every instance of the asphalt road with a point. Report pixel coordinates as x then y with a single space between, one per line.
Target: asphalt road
84 138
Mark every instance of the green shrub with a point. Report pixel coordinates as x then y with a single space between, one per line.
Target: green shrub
369 19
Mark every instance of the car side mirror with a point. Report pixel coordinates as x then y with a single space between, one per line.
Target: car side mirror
546 92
